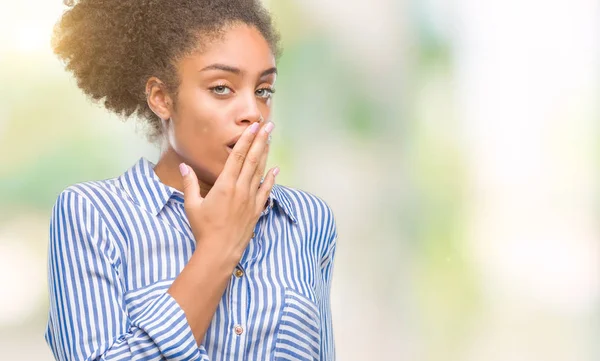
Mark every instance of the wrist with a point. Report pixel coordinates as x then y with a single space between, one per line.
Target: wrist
212 256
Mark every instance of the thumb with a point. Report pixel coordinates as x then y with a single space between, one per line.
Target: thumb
191 188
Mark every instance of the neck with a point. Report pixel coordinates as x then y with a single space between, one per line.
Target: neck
167 170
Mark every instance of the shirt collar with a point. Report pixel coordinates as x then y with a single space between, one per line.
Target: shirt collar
145 188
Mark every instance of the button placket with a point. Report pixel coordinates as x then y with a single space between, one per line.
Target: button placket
240 293
239 316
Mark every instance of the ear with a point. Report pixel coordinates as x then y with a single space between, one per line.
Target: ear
158 98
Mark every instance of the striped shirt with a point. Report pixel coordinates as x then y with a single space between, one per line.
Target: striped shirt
117 245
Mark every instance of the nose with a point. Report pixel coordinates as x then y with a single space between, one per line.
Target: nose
249 111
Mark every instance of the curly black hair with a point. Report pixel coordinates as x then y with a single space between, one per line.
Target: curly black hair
112 47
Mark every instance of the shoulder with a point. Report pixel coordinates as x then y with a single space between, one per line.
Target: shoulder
93 189
307 207
80 201
94 193
77 214
312 213
79 221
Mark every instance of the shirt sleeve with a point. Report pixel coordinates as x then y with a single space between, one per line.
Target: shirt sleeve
88 319
327 339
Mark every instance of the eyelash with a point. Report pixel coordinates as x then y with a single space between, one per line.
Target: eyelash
212 89
271 91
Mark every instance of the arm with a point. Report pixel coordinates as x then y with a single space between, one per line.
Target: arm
327 339
88 319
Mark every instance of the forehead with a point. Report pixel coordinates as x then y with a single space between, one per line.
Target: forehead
239 46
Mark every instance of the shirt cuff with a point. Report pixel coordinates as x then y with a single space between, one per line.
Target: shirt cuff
165 322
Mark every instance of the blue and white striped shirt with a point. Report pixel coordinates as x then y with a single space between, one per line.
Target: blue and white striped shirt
117 245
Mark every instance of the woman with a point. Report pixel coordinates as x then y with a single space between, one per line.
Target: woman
196 257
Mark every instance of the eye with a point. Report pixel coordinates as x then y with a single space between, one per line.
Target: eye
221 90
265 92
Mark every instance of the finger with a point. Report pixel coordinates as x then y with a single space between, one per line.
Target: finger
191 188
254 155
235 161
260 170
265 189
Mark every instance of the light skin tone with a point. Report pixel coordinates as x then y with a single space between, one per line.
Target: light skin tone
216 149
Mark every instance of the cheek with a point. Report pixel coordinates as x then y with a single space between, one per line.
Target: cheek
191 126
265 109
195 115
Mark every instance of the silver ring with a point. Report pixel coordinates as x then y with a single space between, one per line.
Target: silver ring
269 139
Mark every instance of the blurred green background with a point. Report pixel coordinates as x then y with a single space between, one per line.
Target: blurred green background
456 142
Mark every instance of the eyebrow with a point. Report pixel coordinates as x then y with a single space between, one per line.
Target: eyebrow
273 70
237 71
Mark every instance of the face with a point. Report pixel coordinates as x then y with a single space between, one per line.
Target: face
223 89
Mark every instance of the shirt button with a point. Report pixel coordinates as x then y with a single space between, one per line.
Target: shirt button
239 273
253 235
238 330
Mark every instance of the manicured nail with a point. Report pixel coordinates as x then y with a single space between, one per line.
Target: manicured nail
184 169
269 127
276 171
254 128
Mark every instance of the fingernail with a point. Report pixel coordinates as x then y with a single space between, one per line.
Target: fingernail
184 169
254 128
276 171
269 127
